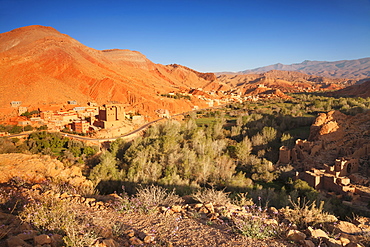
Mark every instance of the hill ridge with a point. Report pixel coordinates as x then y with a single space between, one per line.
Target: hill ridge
351 69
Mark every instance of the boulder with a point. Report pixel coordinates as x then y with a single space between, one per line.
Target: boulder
27 235
347 227
14 241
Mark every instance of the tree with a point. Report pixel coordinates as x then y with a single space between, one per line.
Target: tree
106 169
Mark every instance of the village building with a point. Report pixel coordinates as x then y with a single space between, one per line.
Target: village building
80 126
21 110
110 115
15 103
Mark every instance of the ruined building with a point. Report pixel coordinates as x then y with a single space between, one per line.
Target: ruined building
336 157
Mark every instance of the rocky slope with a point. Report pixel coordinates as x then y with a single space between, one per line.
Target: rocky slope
38 169
352 69
285 81
40 66
360 90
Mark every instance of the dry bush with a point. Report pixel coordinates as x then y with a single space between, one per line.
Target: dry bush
242 200
56 216
153 196
307 214
216 197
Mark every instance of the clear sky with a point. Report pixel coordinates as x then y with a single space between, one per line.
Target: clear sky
207 35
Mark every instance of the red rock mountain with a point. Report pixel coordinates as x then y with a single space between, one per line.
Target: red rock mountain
41 66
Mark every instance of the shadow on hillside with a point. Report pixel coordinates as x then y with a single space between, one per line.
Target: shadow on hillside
106 187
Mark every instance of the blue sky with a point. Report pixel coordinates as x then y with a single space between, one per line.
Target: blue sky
208 36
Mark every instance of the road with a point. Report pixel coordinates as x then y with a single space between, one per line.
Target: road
85 138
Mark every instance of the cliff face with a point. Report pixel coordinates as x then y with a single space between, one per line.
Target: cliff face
40 66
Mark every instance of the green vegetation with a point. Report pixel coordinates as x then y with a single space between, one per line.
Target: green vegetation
30 114
54 144
12 129
176 96
233 149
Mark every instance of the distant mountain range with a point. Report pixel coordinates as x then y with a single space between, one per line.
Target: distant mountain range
350 69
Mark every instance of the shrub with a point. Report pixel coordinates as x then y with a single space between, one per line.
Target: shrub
153 196
257 224
211 195
50 215
254 227
307 214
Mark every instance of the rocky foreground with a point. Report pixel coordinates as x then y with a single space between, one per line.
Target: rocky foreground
103 221
52 212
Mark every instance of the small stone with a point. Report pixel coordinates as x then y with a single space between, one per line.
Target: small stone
317 233
36 187
213 216
177 209
354 245
162 209
203 210
89 201
42 239
130 233
64 195
109 243
149 239
136 241
296 235
272 211
331 242
271 222
210 207
344 241
99 204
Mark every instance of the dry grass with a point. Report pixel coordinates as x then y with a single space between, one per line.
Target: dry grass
305 214
153 196
211 195
56 216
